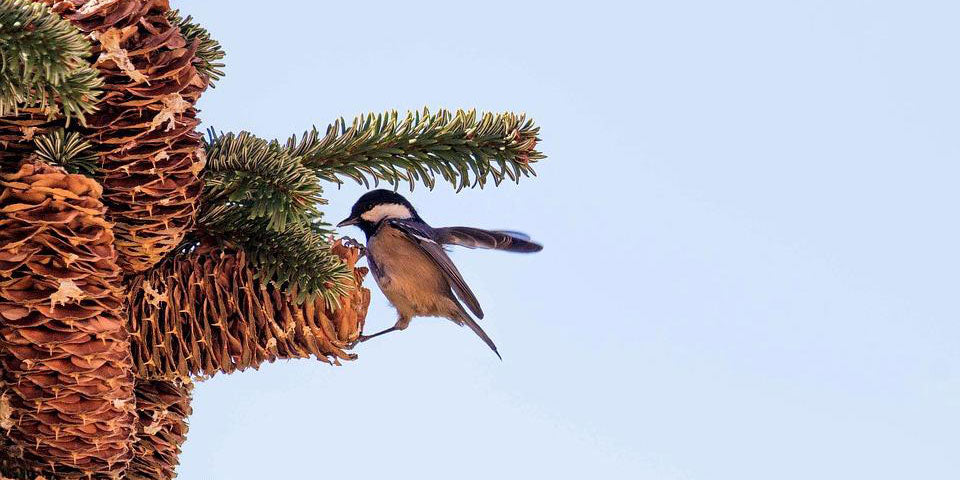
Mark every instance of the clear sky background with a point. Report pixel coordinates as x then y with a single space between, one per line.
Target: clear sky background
750 213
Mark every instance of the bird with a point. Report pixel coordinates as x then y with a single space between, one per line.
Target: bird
407 258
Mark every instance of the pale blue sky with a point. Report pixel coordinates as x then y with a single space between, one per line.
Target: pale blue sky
750 217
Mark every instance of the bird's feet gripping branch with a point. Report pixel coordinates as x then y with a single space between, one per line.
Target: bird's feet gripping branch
351 242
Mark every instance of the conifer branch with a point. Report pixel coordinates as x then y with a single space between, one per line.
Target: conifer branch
262 199
460 147
209 52
299 261
251 178
43 62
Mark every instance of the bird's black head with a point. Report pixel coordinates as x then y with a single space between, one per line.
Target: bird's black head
375 206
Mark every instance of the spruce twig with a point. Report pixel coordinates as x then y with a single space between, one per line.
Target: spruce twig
462 147
264 200
44 62
248 174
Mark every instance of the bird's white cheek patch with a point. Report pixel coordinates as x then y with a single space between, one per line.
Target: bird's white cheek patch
389 210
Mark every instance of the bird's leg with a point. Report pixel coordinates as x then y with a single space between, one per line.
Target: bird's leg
364 338
402 323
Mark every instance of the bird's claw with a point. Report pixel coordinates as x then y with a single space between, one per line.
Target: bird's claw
359 340
350 242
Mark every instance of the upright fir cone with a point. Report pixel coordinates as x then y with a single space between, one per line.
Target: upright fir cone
205 312
151 157
67 405
162 407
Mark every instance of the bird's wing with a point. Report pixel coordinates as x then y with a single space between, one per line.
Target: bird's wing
495 239
421 235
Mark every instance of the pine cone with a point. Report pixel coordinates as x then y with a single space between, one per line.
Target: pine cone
204 312
163 407
64 352
151 157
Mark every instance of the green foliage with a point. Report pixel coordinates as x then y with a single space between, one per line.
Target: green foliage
264 200
464 149
209 51
249 178
43 62
297 259
68 150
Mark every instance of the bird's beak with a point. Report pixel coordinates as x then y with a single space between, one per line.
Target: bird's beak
349 221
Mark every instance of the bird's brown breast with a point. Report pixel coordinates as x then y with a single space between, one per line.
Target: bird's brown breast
409 278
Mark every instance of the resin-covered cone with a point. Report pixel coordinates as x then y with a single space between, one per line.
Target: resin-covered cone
144 127
64 352
205 312
162 408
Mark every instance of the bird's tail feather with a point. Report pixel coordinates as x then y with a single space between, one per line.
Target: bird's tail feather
465 319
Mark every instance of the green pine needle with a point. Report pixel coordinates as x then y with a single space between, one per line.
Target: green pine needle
68 150
297 260
462 148
44 62
209 52
261 198
249 178
300 260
